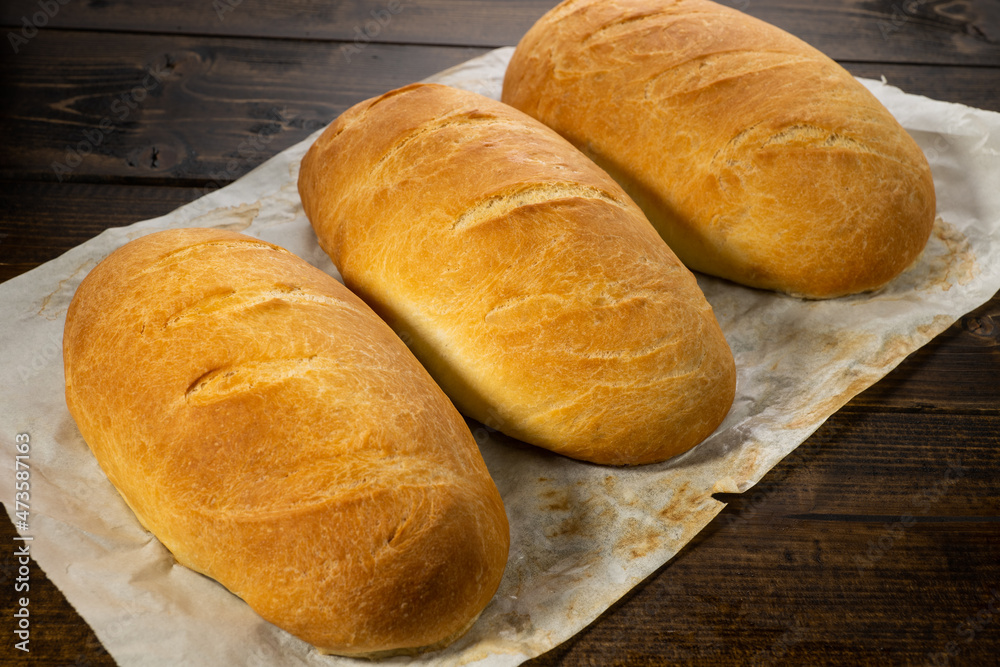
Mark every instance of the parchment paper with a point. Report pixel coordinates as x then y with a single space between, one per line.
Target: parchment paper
582 535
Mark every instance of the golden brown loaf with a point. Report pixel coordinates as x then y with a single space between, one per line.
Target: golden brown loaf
276 436
755 156
522 276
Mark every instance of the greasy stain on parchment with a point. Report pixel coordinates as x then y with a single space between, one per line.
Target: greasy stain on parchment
228 218
581 526
947 260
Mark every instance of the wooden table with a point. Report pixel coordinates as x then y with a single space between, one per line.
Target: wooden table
876 542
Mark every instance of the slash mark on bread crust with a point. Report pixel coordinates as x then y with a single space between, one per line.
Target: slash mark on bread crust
182 253
223 381
498 206
231 301
468 118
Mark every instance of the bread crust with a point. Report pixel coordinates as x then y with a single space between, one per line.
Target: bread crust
756 157
276 436
521 275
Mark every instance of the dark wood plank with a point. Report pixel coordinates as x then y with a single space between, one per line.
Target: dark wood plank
356 22
183 110
916 31
186 111
71 213
876 467
789 592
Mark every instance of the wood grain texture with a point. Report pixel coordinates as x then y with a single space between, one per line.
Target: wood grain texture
177 110
184 110
463 22
728 599
873 468
972 86
918 31
72 213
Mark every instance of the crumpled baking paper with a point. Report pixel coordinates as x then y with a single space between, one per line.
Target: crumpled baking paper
582 535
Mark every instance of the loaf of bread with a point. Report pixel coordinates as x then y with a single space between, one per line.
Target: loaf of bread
756 157
526 281
275 435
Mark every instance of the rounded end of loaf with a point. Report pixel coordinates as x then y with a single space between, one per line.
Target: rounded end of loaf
775 228
276 436
416 582
756 157
646 418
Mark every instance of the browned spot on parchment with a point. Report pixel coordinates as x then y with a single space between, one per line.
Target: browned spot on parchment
571 526
742 470
678 510
947 260
518 623
893 350
817 411
573 511
609 483
558 500
636 540
897 347
228 218
958 264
